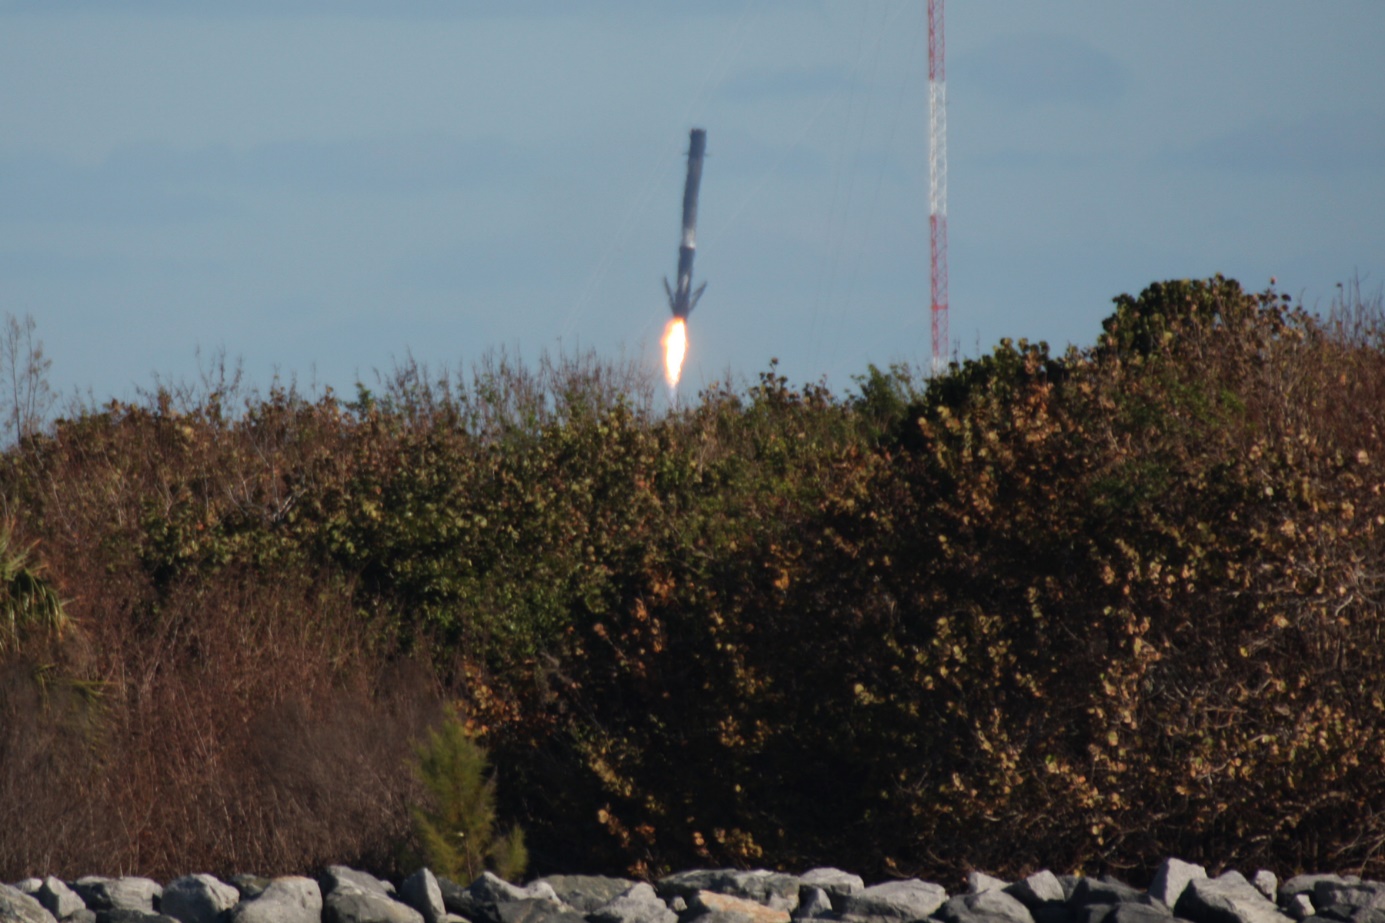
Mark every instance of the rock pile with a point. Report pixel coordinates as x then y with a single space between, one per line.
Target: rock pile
1180 892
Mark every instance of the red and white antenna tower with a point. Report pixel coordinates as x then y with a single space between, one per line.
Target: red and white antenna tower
937 185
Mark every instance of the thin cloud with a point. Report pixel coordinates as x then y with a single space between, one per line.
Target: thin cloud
415 10
60 268
1323 143
784 83
486 265
159 183
40 187
397 164
1024 71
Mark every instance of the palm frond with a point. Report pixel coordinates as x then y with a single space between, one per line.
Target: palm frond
29 603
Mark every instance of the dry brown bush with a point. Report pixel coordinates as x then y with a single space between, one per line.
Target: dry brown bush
249 727
242 713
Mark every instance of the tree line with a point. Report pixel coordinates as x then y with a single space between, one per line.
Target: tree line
1072 610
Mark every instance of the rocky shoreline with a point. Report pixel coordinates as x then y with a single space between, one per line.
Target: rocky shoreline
1179 891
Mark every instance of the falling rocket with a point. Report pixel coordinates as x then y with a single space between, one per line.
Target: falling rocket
683 299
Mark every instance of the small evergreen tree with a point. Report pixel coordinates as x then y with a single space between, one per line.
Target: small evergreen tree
459 832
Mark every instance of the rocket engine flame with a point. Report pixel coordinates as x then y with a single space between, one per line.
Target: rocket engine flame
675 348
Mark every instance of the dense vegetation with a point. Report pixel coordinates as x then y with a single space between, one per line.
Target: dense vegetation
1079 610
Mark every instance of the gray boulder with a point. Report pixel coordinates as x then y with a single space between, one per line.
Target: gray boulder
1228 898
494 889
1366 894
350 896
366 907
1308 884
910 899
714 916
835 882
249 886
1359 902
198 899
979 882
727 908
82 916
122 915
1058 912
1090 913
1171 878
1299 906
341 878
57 898
640 904
1130 908
1131 912
479 900
537 910
18 907
453 895
813 903
992 905
1038 889
291 899
1267 883
1124 912
129 893
1346 913
773 889
28 886
586 893
422 892
1106 890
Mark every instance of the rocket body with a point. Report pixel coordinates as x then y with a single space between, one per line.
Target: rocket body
682 299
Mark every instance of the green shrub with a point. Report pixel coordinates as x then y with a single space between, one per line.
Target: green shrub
458 830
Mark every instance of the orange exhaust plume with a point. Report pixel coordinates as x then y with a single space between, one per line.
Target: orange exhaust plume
675 348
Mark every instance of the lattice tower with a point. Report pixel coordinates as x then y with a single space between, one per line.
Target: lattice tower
937 185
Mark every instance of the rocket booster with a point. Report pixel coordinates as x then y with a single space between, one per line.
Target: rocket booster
682 299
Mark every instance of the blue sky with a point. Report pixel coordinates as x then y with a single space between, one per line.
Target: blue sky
320 187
